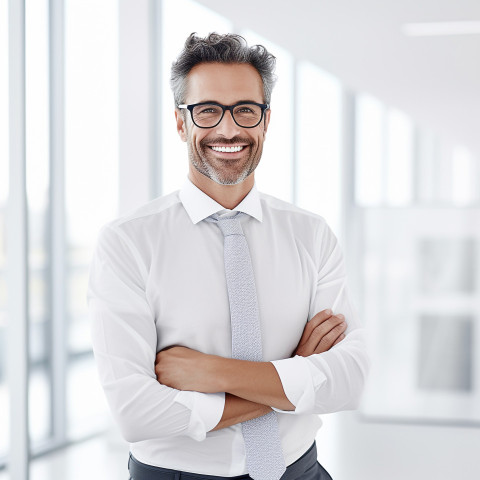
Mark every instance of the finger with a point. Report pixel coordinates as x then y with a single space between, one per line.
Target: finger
321 330
314 323
328 340
339 339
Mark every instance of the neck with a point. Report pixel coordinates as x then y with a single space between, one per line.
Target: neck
228 196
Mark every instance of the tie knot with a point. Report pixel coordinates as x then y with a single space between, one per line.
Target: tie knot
228 225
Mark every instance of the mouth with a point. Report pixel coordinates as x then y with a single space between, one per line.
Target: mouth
227 149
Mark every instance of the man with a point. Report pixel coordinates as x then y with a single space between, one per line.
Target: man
212 307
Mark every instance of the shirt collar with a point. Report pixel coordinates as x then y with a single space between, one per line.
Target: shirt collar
200 206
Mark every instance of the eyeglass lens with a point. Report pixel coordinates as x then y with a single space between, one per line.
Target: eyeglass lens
246 115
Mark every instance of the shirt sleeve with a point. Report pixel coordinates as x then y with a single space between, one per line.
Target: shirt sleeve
124 338
330 381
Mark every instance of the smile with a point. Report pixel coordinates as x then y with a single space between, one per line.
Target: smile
237 148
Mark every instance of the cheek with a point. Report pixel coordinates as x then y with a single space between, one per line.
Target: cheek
259 140
196 143
195 140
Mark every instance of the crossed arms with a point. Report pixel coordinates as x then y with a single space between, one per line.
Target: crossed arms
251 388
170 401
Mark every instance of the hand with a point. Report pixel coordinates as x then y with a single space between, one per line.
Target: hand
321 333
186 369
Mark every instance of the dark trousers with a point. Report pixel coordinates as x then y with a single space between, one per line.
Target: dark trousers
305 468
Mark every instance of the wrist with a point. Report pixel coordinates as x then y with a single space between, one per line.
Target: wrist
223 373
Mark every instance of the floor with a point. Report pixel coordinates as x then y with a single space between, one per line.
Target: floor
349 447
102 458
105 458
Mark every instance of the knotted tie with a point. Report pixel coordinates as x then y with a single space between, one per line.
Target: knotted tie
261 435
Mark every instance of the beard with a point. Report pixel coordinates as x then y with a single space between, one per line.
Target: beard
225 171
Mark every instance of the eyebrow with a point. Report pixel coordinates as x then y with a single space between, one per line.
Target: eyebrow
216 101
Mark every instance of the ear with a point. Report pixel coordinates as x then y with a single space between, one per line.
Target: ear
181 126
266 121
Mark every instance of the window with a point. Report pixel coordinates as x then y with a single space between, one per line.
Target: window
4 173
61 367
419 267
465 177
399 166
369 127
91 187
384 154
319 163
38 184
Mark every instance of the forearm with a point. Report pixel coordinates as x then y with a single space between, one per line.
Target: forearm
185 369
328 382
239 410
257 382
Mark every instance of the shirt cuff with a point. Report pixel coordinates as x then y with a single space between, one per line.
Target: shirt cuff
298 381
206 411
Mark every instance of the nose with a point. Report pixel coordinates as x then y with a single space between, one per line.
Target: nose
227 127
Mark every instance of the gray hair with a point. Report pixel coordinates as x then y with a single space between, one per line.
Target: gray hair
228 48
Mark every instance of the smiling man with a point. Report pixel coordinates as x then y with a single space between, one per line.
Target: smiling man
222 325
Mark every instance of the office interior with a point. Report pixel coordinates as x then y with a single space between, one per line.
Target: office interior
375 121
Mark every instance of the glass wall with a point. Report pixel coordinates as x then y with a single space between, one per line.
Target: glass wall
418 269
319 161
61 366
4 173
369 151
38 183
91 187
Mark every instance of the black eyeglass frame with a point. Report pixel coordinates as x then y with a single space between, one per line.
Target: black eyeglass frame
263 106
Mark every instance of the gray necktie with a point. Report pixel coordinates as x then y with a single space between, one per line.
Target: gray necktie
261 435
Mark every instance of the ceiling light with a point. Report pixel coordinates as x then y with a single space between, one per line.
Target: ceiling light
441 28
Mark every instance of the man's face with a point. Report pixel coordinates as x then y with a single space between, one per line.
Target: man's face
226 84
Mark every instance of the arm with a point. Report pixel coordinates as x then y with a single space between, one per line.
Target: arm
239 410
124 340
186 369
315 380
321 333
333 380
257 383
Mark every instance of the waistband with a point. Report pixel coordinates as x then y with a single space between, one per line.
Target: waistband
141 471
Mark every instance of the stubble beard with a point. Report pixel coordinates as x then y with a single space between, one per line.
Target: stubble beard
227 174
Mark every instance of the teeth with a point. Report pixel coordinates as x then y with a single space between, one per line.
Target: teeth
228 149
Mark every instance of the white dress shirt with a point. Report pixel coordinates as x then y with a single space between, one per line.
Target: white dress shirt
157 279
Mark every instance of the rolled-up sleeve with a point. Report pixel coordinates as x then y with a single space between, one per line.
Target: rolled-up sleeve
124 338
334 380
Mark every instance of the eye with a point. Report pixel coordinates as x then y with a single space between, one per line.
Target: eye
244 109
207 110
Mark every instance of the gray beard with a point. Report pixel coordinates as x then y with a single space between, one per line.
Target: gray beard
214 175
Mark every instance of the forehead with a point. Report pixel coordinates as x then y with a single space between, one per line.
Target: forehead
225 83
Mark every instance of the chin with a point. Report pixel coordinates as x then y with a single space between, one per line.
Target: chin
226 181
219 177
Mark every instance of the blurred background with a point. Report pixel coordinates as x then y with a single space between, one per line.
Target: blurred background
375 126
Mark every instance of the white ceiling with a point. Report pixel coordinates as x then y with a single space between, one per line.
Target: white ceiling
436 80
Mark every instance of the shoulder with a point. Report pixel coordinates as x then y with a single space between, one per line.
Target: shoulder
143 223
309 228
157 208
287 211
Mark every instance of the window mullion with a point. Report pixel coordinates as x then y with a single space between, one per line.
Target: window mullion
17 238
57 253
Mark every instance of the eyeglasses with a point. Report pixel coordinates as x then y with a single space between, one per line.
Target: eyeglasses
210 114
